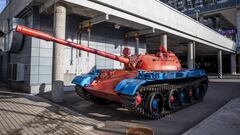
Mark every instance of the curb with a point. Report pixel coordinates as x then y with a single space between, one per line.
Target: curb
204 123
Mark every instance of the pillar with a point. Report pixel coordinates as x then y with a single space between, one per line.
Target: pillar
58 53
191 56
201 18
220 64
137 46
238 26
238 63
233 64
238 36
163 40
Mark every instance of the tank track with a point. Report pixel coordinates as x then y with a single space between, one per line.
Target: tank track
129 101
164 88
89 97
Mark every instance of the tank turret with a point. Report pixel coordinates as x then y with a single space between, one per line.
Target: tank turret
162 61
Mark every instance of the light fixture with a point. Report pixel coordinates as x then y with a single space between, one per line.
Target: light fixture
116 26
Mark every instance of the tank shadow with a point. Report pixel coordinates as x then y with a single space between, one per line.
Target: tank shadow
103 112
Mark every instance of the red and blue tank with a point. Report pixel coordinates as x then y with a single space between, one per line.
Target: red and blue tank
139 70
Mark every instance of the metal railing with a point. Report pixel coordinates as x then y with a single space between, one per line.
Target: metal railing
217 6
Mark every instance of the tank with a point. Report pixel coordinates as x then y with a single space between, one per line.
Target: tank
150 85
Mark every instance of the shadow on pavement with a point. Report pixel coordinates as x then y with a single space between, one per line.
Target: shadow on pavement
106 112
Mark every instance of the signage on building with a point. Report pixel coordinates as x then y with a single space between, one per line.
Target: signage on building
228 32
238 50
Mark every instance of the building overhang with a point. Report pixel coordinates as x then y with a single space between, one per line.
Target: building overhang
140 16
162 17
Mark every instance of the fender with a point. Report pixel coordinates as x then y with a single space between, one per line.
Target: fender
130 86
170 75
86 79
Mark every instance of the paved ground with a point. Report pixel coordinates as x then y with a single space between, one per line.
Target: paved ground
225 76
36 115
225 121
31 115
117 119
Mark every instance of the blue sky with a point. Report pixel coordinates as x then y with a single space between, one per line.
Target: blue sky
2 5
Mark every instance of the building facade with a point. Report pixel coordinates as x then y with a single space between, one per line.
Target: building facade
28 64
219 15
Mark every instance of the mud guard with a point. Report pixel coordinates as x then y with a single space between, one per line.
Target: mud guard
170 75
130 86
86 79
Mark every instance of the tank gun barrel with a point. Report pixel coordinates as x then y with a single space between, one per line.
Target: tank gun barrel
41 35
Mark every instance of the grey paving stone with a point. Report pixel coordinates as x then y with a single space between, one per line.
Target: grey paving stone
225 121
27 114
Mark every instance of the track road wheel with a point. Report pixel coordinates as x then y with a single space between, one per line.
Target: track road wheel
184 96
196 93
154 104
190 94
82 93
172 99
202 90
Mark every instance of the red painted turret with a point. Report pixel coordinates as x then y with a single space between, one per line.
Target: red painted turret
162 61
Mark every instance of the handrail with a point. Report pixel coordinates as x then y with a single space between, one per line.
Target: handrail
227 4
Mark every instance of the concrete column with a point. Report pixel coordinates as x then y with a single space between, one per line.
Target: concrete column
137 46
58 53
238 26
238 36
238 63
201 18
191 56
163 40
233 64
220 64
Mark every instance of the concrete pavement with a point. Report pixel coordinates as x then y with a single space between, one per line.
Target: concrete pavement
26 114
225 121
117 119
225 78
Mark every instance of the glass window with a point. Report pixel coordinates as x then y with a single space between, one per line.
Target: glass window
3 4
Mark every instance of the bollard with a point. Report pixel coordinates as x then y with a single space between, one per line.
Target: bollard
57 91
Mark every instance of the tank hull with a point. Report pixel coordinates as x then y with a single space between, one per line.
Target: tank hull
151 94
105 83
104 87
110 84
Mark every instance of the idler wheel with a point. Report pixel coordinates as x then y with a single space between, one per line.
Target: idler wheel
154 104
202 90
197 93
89 97
172 99
82 93
185 96
191 92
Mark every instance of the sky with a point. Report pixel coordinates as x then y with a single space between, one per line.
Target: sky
2 5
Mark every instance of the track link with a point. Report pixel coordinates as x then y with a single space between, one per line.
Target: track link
140 110
89 97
